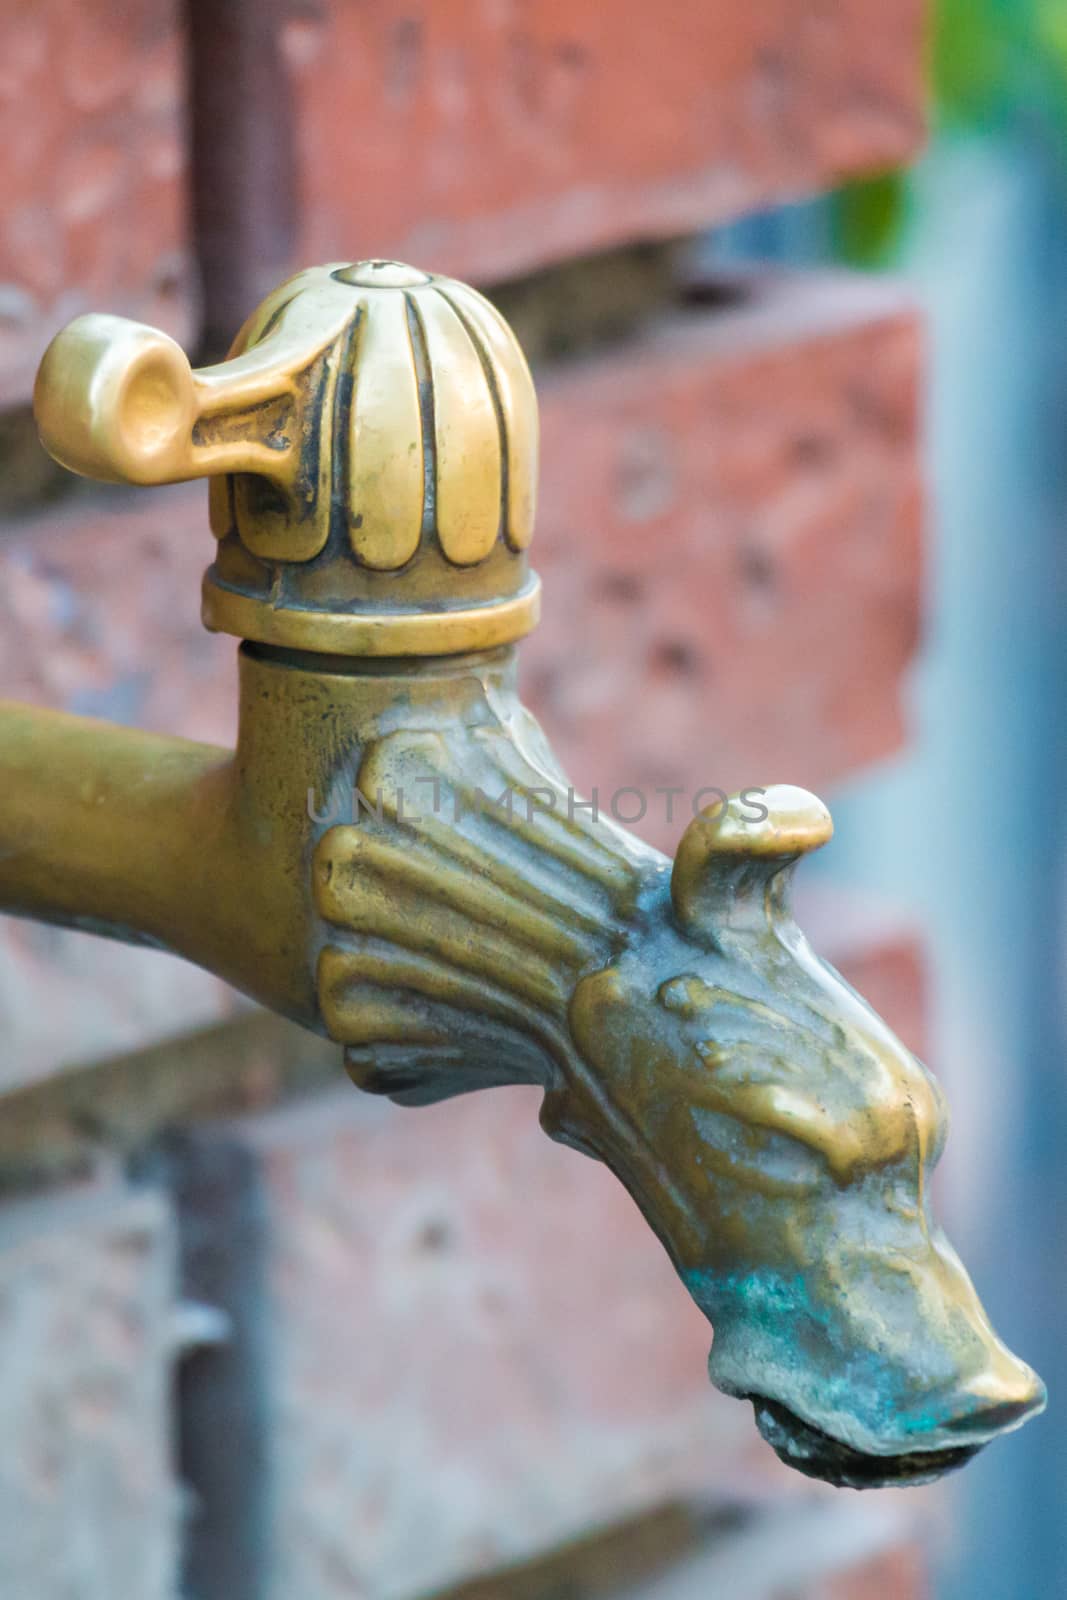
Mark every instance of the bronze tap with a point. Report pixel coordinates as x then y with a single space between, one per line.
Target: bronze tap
392 857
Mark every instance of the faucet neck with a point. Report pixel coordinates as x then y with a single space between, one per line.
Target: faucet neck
460 889
391 856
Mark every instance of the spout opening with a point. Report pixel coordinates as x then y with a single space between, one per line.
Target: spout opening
816 1454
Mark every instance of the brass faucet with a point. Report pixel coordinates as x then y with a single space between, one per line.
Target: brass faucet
392 857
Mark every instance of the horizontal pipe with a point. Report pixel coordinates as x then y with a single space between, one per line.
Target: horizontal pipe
107 828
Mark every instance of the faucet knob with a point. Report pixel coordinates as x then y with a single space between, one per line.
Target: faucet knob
372 445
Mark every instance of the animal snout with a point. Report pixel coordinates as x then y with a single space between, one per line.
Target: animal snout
995 1403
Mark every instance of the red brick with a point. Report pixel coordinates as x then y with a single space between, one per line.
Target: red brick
99 615
894 1575
87 1503
91 122
816 1548
879 951
824 1547
486 139
729 536
463 1342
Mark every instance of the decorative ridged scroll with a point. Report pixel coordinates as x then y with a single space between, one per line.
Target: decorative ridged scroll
467 929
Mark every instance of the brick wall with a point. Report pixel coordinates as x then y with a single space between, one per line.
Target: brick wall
95 168
87 1325
494 137
260 1336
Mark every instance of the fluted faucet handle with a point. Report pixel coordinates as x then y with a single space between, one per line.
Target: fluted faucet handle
119 401
373 441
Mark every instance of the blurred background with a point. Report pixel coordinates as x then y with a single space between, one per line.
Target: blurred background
794 285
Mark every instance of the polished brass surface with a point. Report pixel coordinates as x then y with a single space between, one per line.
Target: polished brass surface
392 857
373 444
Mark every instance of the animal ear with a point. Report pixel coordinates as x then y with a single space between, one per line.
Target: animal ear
733 853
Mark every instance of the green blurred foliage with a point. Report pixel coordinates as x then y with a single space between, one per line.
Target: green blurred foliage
977 45
995 65
868 219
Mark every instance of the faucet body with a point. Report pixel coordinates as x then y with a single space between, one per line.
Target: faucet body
391 856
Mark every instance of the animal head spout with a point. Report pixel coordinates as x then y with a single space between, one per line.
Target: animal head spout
454 917
780 1140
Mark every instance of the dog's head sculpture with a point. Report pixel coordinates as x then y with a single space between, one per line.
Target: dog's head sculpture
799 1135
777 1136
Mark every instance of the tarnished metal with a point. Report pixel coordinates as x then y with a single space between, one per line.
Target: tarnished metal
372 445
393 858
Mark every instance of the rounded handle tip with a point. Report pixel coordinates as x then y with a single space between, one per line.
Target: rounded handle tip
115 400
